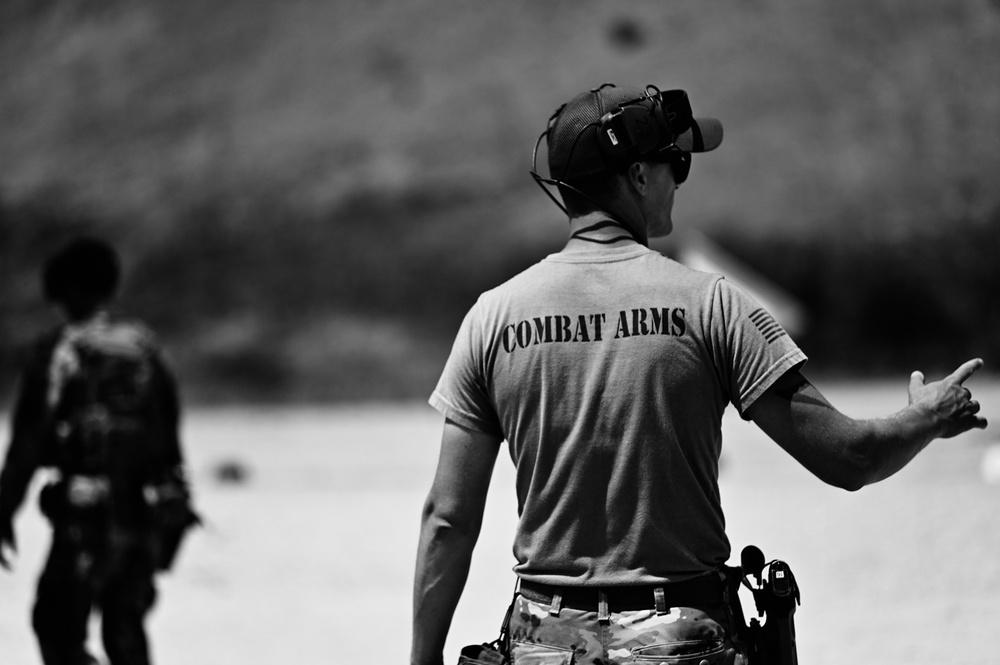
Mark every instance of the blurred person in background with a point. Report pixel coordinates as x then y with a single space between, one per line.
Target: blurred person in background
98 406
607 368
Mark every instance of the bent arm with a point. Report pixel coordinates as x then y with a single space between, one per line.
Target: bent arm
851 453
452 517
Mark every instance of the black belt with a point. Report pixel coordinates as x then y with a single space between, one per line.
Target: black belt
702 590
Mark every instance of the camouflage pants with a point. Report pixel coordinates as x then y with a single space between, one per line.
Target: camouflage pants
682 636
73 583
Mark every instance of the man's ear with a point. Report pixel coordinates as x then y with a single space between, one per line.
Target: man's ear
638 178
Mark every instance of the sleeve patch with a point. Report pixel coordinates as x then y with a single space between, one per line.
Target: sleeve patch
767 326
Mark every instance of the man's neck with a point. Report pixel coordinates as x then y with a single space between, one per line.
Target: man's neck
78 318
597 229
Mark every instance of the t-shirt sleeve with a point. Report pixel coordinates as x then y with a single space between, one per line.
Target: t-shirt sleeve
462 394
755 351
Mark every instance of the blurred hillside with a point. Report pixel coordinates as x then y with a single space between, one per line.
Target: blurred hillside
309 195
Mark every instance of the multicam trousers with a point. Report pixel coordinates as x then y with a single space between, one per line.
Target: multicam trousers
682 636
70 587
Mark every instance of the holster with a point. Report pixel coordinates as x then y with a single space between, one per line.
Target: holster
743 638
771 642
172 518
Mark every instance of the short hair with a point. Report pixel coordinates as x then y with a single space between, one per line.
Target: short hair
85 267
589 193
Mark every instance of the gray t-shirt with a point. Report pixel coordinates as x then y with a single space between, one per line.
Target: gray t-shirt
608 371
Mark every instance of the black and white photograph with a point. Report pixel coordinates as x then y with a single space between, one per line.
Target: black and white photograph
661 332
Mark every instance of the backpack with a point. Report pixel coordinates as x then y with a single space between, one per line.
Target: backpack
105 436
101 399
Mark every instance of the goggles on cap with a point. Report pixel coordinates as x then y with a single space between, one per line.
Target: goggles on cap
645 128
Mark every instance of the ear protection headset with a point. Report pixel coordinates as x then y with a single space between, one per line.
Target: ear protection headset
644 128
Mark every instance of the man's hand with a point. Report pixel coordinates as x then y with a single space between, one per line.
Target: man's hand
947 401
851 453
7 540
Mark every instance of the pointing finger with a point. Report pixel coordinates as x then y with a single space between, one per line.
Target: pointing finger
966 369
916 380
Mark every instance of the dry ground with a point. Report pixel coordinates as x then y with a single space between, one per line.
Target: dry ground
310 559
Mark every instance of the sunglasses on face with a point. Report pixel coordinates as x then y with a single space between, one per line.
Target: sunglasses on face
679 161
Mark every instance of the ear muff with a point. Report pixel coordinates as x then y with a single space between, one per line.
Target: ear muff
647 125
628 133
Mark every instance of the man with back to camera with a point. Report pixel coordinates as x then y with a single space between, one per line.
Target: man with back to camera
607 368
98 405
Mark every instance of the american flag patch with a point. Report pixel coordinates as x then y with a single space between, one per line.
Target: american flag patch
767 326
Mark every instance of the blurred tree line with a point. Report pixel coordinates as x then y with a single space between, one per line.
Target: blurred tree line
890 305
295 310
290 307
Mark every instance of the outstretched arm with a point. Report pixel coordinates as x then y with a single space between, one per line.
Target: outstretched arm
452 517
851 453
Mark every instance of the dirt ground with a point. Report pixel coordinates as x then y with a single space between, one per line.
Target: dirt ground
310 558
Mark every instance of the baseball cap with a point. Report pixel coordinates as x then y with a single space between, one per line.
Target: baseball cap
572 136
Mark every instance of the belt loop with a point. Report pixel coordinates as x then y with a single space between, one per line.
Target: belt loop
556 604
603 615
661 600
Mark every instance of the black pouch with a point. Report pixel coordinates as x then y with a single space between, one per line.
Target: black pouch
482 654
170 516
496 652
52 501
